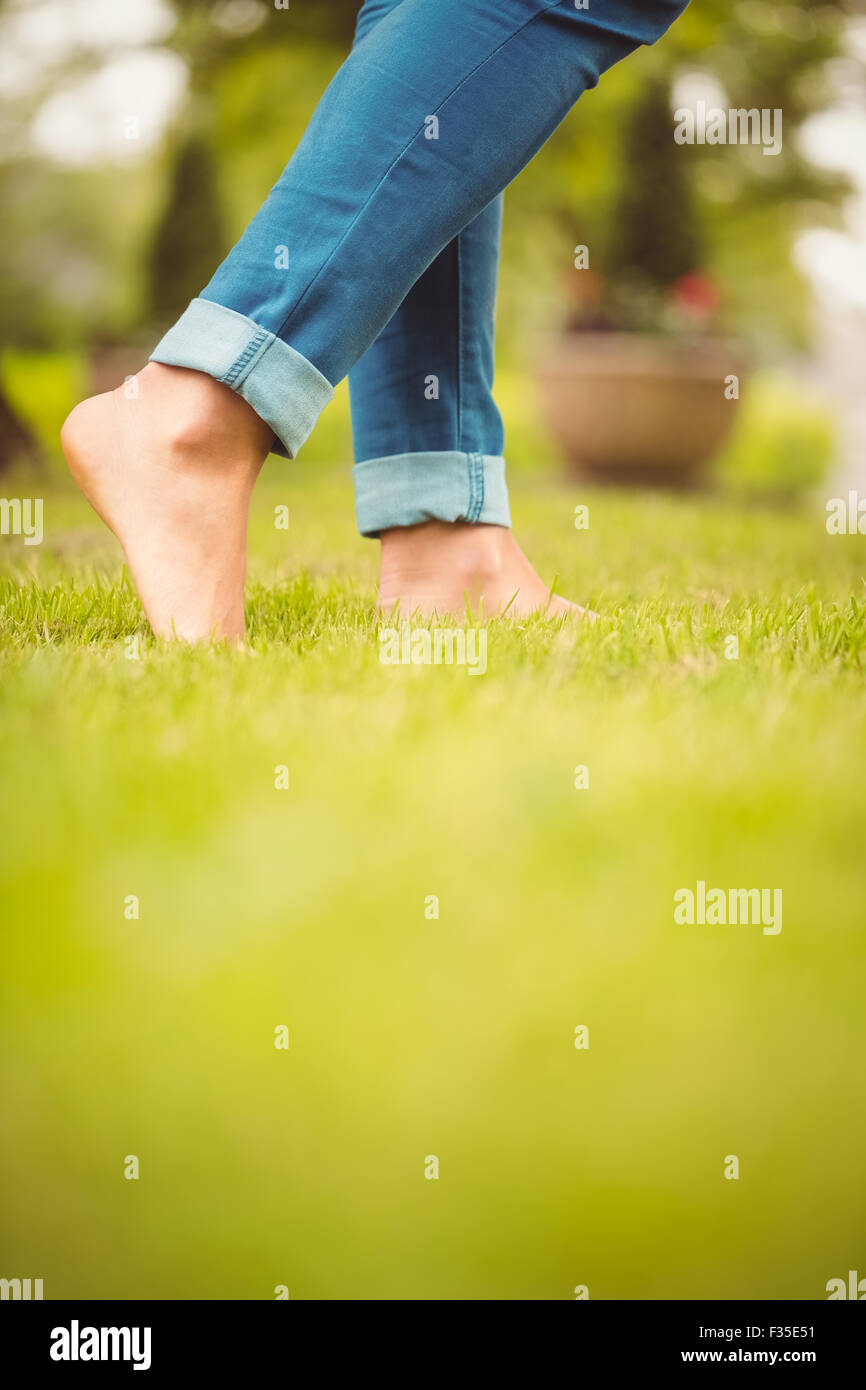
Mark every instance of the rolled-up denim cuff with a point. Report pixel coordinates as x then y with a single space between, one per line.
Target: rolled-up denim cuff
406 489
283 388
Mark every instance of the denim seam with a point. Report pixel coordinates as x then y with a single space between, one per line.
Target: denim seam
257 344
459 342
475 463
396 160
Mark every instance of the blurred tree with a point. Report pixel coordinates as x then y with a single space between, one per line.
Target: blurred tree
655 236
189 241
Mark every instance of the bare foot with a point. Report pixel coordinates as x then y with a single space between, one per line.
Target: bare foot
433 568
169 461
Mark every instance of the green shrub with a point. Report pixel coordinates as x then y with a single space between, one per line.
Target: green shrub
783 444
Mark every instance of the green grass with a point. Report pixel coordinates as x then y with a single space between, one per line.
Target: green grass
454 1037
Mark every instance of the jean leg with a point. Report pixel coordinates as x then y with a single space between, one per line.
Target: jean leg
367 203
427 433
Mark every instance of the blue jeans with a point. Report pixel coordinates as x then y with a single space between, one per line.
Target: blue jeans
375 254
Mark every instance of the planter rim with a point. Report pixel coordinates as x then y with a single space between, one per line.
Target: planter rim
654 353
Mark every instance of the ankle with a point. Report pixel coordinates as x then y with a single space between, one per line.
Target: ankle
463 550
198 416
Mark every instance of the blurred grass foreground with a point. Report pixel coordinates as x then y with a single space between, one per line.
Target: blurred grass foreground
460 877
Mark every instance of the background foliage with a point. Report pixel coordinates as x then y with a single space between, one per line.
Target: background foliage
101 255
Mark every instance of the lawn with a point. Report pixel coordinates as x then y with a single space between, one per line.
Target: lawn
135 770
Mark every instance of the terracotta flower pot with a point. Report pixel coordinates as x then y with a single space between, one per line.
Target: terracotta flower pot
630 408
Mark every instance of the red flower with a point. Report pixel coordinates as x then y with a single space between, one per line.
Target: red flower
696 296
